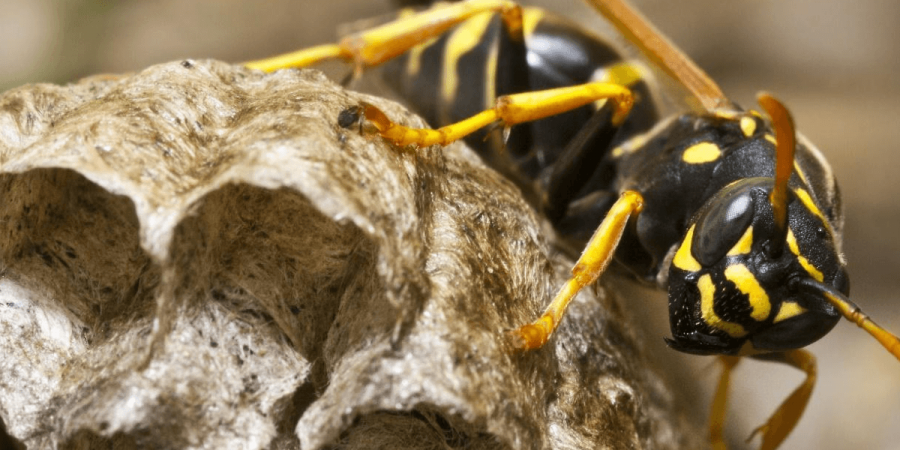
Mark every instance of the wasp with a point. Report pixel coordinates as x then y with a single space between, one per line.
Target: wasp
731 211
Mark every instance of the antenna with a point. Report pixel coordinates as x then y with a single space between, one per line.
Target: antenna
662 53
784 165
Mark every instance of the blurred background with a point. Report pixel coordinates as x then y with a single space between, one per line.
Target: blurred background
834 62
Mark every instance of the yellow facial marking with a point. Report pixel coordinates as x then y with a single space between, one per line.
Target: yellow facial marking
748 126
463 39
707 297
741 276
743 244
684 260
788 310
701 152
771 139
795 249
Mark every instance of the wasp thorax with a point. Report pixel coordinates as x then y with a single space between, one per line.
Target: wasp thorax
727 286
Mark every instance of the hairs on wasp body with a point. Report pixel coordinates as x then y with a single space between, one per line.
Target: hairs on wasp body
733 213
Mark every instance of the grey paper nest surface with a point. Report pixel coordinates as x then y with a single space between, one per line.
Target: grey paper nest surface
198 256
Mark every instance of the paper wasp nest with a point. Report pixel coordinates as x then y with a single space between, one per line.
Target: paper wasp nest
198 256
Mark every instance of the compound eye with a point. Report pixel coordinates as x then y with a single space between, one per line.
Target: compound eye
723 222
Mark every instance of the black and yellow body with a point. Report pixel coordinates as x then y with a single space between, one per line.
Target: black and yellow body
464 71
706 229
732 213
678 167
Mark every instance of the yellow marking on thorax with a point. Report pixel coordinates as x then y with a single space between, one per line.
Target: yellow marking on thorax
630 145
684 260
746 282
795 249
800 173
788 310
727 114
810 204
530 19
622 73
772 140
748 126
707 299
701 152
743 245
461 40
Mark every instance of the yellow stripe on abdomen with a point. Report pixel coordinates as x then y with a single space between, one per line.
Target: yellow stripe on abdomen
463 39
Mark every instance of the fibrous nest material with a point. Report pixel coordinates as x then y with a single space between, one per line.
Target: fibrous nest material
198 256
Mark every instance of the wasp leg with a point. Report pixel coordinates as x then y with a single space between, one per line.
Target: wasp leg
785 418
577 223
590 266
578 162
512 76
377 45
720 404
509 110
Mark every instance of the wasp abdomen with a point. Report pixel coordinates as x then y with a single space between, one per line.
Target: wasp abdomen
465 70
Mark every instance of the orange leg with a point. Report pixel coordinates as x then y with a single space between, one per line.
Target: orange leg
720 404
785 418
590 266
378 45
509 109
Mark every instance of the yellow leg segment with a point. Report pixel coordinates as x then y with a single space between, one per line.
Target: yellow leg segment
301 58
720 404
510 110
785 418
590 266
378 45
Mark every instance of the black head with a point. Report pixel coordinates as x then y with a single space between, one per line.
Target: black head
735 277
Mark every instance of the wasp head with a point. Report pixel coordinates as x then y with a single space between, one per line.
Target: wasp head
735 277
